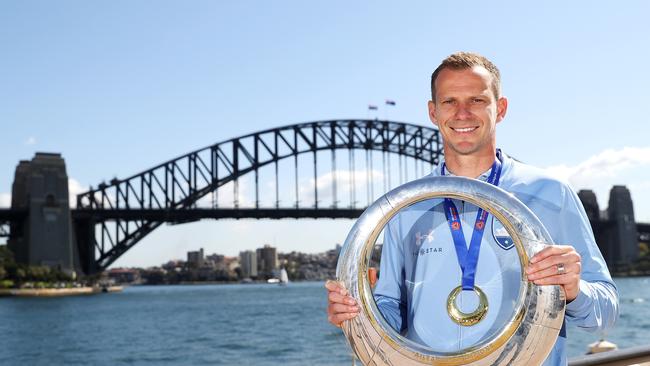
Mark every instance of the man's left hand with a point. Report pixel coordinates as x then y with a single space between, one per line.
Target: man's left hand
557 265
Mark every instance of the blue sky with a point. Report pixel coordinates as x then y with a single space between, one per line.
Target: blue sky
120 86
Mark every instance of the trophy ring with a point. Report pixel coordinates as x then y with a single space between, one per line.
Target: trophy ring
526 338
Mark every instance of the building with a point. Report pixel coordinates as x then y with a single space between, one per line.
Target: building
231 264
124 275
195 259
216 259
267 261
248 264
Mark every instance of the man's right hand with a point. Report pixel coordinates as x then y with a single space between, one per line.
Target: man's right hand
341 307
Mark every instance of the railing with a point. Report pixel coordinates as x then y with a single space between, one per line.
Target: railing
639 355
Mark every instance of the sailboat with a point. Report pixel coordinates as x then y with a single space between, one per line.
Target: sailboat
284 277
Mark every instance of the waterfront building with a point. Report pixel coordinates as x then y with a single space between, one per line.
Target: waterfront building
248 264
267 260
215 259
124 275
174 266
195 259
231 263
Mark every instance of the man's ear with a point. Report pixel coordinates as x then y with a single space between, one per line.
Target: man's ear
432 112
502 108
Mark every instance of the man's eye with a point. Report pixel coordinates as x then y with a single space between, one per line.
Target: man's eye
478 100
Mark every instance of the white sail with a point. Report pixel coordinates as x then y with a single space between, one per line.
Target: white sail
284 277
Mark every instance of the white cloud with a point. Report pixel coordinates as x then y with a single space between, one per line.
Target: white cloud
344 179
629 166
31 140
5 199
74 188
608 164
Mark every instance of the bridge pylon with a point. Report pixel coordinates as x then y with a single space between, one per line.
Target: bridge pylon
43 235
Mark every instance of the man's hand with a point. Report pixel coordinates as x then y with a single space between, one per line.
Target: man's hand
341 307
557 265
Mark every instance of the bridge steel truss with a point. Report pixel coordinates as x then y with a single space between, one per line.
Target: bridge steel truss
111 219
644 232
4 229
10 220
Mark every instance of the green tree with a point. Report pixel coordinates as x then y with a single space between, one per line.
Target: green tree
7 263
643 249
20 274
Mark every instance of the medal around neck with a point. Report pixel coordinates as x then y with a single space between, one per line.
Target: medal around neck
467 319
524 334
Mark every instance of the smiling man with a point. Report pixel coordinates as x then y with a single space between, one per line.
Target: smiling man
466 106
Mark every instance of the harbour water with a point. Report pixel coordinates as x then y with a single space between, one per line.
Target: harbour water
252 324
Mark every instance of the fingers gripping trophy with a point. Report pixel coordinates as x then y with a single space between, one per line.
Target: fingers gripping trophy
411 289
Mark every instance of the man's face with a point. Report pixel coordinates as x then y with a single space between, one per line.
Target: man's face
466 111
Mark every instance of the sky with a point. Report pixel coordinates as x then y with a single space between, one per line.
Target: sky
118 87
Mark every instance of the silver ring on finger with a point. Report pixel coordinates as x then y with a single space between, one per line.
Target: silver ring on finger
561 269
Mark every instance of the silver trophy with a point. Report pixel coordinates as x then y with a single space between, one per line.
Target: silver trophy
511 322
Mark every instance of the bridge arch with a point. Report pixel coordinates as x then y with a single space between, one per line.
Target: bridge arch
112 218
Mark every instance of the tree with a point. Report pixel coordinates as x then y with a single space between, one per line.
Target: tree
21 274
6 260
7 263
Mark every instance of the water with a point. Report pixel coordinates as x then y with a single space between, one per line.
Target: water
216 325
633 323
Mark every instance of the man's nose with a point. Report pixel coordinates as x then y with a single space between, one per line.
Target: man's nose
463 111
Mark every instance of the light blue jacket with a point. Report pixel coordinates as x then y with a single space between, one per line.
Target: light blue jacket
419 268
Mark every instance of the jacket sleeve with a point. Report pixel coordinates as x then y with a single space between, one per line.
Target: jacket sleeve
389 292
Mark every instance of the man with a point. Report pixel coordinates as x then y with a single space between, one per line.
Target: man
466 105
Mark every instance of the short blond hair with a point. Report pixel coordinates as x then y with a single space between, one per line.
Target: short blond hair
467 60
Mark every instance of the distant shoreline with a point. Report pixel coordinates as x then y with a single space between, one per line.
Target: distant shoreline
198 283
631 274
57 292
236 282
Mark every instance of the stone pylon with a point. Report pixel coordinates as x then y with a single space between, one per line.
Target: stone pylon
45 236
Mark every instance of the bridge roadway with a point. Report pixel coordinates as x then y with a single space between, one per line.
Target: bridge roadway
194 214
8 215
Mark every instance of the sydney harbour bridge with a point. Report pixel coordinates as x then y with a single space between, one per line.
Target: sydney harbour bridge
324 169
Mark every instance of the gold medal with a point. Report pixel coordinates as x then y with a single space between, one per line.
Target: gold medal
467 319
